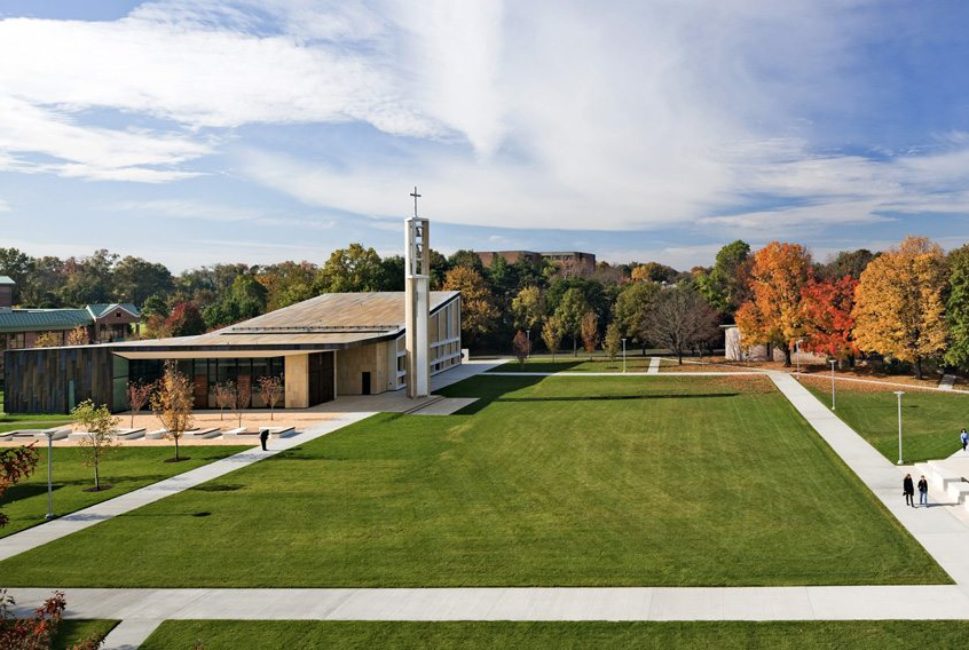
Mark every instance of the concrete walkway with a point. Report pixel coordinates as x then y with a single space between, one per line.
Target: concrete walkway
647 373
515 604
654 366
44 533
939 529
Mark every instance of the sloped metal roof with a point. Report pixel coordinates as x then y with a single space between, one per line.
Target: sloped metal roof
33 320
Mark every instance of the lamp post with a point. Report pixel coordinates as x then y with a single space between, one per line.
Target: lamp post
50 486
797 353
832 362
624 354
899 394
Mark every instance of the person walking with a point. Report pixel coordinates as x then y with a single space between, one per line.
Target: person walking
908 489
263 437
964 438
923 492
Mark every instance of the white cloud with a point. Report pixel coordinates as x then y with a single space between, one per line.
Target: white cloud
194 210
566 115
4 206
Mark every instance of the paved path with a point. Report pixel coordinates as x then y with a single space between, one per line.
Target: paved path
947 383
517 604
44 533
625 374
654 366
939 529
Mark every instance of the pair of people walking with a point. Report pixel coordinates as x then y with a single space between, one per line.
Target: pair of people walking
908 489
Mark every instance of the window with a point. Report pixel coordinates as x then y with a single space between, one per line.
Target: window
16 340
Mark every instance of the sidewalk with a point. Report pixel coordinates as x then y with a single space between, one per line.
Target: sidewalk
938 529
63 526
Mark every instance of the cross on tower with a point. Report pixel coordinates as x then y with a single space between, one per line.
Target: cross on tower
416 196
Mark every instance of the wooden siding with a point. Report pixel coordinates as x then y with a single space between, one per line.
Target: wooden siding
39 380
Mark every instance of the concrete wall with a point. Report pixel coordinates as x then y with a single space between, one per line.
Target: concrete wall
297 381
352 363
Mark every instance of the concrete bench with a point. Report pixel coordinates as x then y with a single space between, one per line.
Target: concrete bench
59 433
120 434
210 432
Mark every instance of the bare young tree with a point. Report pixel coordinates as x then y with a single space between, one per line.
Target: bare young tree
590 332
225 397
137 394
172 403
680 319
241 400
98 429
521 346
271 390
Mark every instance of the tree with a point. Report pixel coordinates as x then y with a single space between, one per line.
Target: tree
631 308
528 308
852 263
16 464
522 347
899 305
654 272
957 308
826 317
680 320
271 390
172 403
78 336
612 343
570 312
98 429
478 311
773 314
243 395
19 267
36 632
245 299
137 395
589 328
136 279
49 340
225 397
155 305
552 334
352 269
725 285
185 320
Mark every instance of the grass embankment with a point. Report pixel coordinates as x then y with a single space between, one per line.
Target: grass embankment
551 481
71 632
931 420
124 469
229 635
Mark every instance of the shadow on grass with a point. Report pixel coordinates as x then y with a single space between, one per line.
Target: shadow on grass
218 487
607 398
540 366
27 490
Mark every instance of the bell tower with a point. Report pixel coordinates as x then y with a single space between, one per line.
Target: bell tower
417 264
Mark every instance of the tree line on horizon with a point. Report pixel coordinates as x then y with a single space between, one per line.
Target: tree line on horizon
908 305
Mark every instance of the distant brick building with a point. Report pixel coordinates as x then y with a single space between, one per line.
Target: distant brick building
576 262
21 327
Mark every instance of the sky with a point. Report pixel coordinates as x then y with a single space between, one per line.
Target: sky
193 132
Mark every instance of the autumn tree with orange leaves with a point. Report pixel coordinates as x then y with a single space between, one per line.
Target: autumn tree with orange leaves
826 319
899 303
773 316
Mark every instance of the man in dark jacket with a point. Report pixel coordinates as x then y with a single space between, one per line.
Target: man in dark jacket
923 492
908 488
264 436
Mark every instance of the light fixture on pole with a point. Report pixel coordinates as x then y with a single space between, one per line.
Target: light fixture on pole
797 353
832 362
624 354
50 486
899 394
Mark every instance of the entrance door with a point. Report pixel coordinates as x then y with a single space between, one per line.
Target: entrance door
321 373
365 384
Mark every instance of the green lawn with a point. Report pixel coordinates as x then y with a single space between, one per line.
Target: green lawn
125 469
544 481
230 635
931 421
71 632
566 362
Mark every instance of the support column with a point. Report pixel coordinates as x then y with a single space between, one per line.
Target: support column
297 381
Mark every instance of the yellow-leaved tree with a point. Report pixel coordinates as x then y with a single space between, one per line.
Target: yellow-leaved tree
777 275
899 303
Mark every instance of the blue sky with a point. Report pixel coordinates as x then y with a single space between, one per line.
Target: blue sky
194 132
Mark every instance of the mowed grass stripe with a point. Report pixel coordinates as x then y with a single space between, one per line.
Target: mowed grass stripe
543 482
229 635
